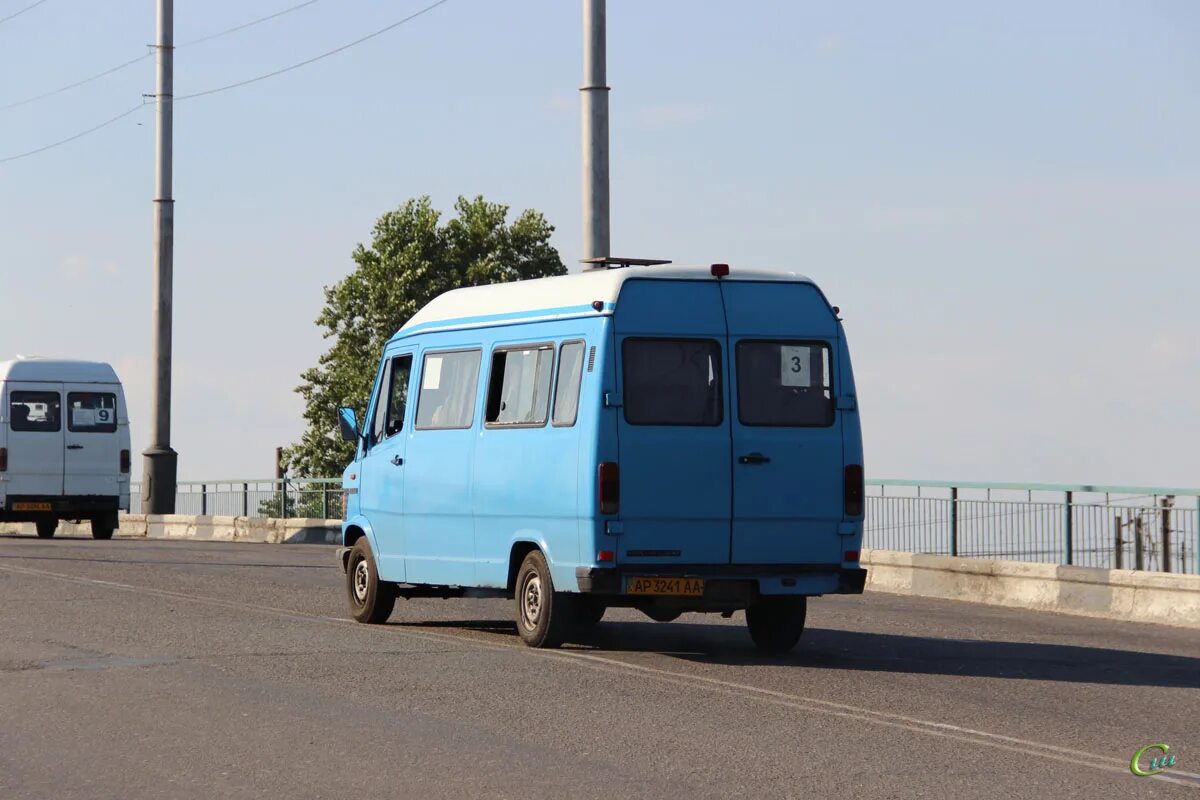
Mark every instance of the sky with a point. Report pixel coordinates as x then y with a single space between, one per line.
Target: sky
1003 198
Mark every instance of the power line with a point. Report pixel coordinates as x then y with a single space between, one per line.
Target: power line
79 135
22 11
141 58
306 62
245 25
62 89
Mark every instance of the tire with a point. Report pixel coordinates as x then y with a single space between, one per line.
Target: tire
776 622
544 616
46 528
371 600
103 528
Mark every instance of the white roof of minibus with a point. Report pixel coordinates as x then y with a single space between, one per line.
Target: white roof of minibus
36 369
564 295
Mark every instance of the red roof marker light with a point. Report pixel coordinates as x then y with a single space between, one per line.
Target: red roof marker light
720 270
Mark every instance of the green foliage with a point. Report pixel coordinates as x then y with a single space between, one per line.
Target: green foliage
309 504
412 259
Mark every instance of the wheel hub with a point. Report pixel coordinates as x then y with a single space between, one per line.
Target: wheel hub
362 578
531 602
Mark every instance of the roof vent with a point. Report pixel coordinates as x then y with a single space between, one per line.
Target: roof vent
612 262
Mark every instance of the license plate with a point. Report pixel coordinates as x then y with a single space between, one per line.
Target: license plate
689 587
31 507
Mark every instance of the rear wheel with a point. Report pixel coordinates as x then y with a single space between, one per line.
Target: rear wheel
544 616
371 600
776 622
103 527
46 528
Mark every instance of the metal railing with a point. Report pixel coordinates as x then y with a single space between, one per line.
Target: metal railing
280 498
1114 527
1121 527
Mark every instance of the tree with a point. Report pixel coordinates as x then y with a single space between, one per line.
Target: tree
411 260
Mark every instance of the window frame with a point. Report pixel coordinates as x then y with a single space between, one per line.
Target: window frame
719 376
386 396
93 429
829 348
578 388
377 407
12 401
474 394
508 348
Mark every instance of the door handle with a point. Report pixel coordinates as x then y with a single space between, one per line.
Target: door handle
398 461
74 447
753 458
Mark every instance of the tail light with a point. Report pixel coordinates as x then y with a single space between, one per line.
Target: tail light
610 488
125 462
854 490
3 459
850 555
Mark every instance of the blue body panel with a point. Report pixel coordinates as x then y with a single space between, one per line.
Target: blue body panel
461 500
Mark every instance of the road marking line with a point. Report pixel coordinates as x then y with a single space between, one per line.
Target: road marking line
605 664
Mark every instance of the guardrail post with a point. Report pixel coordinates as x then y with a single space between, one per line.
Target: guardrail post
245 499
203 499
1166 533
1068 531
1139 555
1118 545
953 520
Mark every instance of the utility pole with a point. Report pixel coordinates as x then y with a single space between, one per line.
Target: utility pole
595 132
159 460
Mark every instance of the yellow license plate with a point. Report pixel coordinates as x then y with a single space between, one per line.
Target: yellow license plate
689 587
31 507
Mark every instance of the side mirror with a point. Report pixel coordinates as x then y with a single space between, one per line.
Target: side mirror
348 424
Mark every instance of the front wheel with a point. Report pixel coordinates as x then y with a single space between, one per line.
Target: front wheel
544 616
776 622
371 600
46 528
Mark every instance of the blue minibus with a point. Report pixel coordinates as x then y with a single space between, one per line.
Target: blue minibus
639 435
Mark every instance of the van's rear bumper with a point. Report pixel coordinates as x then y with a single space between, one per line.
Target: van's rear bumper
611 580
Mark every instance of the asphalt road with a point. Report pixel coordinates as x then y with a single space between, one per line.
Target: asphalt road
151 669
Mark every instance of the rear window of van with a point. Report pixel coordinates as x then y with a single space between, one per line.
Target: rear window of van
784 384
92 412
672 381
35 411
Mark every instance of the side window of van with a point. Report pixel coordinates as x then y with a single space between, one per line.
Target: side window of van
519 387
393 398
566 390
35 411
672 382
784 384
91 412
448 386
378 421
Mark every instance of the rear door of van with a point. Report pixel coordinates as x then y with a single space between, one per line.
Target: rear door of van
35 439
92 455
673 431
787 452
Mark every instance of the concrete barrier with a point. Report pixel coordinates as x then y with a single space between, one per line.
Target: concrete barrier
225 529
1122 594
